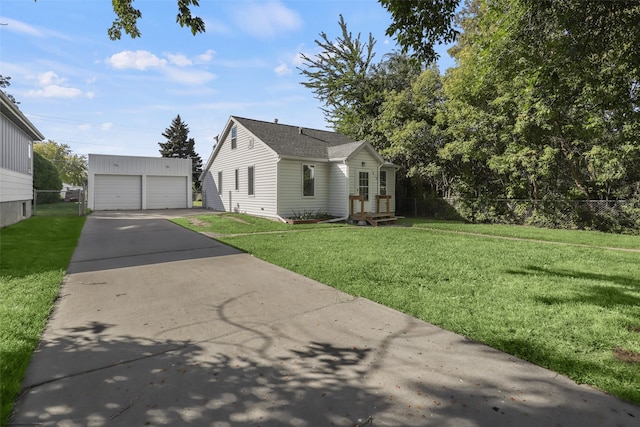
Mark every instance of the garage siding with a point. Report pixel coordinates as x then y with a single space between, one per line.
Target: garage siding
118 192
132 183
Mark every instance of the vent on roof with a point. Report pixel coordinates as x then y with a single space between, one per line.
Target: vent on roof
275 121
300 130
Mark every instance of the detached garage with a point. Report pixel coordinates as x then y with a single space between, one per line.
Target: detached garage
133 183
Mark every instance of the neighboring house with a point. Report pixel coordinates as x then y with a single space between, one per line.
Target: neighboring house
282 171
17 135
131 183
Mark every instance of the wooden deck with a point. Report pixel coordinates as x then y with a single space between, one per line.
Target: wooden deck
374 219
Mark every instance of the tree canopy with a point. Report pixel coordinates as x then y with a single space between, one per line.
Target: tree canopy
71 167
45 177
180 146
542 105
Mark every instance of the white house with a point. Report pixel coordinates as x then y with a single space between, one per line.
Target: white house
132 183
17 135
281 171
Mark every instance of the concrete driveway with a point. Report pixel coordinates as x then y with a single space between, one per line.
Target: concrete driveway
157 325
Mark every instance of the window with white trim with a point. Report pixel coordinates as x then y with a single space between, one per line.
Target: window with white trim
308 180
234 137
383 183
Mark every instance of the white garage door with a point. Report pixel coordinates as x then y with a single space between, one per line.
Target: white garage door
114 192
166 192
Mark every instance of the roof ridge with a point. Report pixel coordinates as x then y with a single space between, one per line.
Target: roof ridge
284 124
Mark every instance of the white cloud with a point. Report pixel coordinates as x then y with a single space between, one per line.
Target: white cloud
84 127
282 70
139 60
266 19
243 63
215 26
29 30
53 86
179 60
106 126
298 60
49 78
189 77
207 56
55 91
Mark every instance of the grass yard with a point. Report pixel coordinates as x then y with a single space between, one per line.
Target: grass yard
34 254
226 223
572 308
578 237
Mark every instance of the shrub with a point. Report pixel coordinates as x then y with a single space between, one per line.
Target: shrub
46 177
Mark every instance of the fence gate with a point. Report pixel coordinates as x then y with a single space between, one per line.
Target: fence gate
69 202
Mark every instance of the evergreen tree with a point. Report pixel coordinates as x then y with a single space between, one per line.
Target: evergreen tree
180 146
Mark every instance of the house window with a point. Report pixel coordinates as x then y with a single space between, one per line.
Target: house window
308 180
363 185
237 179
234 137
383 183
220 182
251 143
250 180
29 160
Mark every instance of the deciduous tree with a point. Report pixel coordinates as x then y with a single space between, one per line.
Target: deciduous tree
71 167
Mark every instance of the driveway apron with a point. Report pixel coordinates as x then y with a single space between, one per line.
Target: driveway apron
157 325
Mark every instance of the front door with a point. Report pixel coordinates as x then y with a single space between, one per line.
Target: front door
364 188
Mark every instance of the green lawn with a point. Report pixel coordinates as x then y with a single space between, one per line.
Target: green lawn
34 254
57 209
242 224
578 237
566 307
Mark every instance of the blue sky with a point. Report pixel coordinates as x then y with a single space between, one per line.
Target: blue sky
118 97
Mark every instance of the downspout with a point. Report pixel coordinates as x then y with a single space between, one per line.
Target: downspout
378 191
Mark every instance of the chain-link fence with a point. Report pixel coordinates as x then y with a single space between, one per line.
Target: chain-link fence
69 202
603 215
197 199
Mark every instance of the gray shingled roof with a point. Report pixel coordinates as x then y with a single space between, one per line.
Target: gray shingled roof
287 140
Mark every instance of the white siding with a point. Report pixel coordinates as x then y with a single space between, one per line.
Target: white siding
391 188
15 186
15 149
210 195
142 170
227 160
290 198
339 194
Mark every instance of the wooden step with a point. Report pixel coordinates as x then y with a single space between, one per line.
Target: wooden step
377 221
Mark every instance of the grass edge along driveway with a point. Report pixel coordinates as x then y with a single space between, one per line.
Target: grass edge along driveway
34 255
572 308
